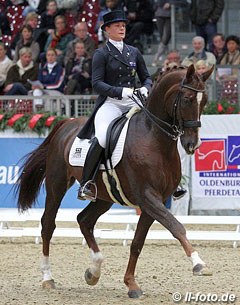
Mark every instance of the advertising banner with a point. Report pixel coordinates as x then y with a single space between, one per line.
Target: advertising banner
12 151
216 164
13 147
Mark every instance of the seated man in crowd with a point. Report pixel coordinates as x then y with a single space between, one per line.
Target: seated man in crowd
173 59
198 53
81 35
18 75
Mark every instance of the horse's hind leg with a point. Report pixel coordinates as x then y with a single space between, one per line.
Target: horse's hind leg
56 187
87 220
144 223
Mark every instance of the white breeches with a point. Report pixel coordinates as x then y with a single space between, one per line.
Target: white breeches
110 110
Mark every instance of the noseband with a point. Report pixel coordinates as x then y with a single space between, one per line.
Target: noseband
174 131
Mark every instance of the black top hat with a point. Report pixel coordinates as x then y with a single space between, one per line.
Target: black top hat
113 16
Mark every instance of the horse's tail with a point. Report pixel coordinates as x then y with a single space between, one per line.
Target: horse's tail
33 172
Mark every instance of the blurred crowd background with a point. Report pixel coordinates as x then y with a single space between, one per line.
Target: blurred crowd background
46 47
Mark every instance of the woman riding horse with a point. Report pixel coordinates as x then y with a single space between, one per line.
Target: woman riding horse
148 172
114 78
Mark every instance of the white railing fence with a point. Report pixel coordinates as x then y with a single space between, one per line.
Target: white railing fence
10 220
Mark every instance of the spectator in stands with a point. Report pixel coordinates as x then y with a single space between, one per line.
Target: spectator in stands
38 6
39 35
201 66
198 53
173 59
109 5
26 40
205 15
232 56
30 7
51 77
60 38
145 14
18 75
81 35
5 65
218 47
47 17
4 23
163 18
134 27
78 71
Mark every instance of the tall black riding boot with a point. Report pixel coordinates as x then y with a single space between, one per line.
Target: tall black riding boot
91 166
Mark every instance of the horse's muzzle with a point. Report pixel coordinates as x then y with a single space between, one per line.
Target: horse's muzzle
190 145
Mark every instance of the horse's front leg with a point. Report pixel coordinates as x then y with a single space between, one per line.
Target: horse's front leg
87 220
144 223
153 207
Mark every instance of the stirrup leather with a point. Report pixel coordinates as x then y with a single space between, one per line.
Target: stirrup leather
85 190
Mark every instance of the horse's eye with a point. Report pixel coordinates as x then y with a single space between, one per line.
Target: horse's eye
187 100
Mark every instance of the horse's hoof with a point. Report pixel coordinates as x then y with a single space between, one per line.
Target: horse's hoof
48 284
202 270
90 278
135 294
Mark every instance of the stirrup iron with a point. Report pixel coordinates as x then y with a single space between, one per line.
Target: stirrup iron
85 190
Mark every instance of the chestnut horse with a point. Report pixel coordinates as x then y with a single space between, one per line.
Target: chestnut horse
149 171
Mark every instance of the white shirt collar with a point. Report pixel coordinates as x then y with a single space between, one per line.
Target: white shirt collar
117 44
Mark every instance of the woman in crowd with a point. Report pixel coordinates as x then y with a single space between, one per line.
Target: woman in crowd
59 39
5 65
50 76
18 76
201 66
218 47
26 40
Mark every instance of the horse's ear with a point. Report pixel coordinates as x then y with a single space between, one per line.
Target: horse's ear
190 73
207 74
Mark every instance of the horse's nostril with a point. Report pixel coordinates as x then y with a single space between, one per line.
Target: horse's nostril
191 147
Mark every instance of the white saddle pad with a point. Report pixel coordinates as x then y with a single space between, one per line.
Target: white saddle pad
80 148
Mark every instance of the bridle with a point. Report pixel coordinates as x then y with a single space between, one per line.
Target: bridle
174 130
177 102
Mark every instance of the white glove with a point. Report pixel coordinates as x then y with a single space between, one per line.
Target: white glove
127 92
144 91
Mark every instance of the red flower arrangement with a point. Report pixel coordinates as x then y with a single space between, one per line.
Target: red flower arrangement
221 107
20 122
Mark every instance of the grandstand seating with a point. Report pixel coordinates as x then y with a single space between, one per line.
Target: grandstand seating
15 18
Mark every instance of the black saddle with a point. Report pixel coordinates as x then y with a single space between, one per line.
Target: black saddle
113 133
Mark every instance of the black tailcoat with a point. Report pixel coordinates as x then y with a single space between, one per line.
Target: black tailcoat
111 71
